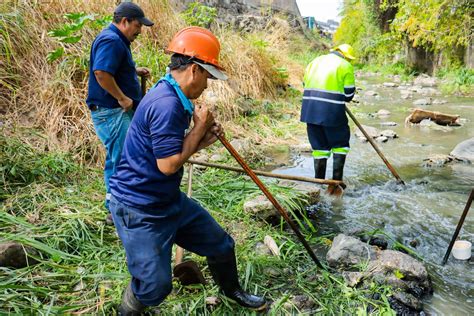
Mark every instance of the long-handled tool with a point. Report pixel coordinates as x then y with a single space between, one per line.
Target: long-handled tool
267 193
374 145
267 174
188 271
458 228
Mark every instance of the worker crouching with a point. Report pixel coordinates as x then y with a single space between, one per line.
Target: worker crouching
149 210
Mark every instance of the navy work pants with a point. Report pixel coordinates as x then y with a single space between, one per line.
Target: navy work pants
148 237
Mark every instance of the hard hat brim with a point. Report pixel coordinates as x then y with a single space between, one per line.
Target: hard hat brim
214 71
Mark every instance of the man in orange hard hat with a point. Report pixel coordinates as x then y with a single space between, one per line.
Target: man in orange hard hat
149 210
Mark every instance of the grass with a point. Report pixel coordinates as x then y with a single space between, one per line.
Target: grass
82 267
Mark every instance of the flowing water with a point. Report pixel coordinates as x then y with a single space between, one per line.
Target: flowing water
427 209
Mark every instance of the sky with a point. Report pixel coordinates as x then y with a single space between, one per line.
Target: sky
322 10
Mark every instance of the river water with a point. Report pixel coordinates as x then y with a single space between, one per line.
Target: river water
427 209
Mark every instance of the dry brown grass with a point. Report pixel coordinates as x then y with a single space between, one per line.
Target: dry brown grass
52 97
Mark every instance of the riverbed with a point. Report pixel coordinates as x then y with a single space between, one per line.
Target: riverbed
428 208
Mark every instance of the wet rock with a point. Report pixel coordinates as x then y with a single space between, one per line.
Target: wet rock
383 112
425 81
413 243
388 133
464 150
415 89
432 125
16 255
425 101
440 160
438 101
347 252
380 136
388 124
371 131
381 139
390 84
370 93
401 271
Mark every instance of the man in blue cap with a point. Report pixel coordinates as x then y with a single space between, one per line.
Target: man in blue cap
114 89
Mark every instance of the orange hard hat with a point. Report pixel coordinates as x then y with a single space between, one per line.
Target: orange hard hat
196 42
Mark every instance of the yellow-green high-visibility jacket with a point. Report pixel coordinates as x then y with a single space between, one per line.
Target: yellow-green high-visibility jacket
328 84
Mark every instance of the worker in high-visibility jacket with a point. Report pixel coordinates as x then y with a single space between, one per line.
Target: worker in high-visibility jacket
328 84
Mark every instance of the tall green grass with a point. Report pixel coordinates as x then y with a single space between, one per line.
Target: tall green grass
56 208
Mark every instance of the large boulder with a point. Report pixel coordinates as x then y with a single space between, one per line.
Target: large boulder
406 275
464 150
347 252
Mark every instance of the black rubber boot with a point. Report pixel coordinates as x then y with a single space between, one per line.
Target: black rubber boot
224 273
338 166
130 306
320 168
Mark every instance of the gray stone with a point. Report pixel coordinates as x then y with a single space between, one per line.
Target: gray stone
383 112
408 300
425 101
388 124
438 160
347 252
464 150
262 250
400 271
372 131
438 101
382 139
425 81
15 255
427 123
388 133
371 93
390 84
352 279
260 207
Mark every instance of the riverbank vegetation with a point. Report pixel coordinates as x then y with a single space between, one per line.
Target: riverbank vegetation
54 205
409 37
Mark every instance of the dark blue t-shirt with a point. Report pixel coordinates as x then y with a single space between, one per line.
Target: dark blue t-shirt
157 131
110 52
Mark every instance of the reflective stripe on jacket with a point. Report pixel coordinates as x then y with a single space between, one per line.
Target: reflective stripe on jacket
329 83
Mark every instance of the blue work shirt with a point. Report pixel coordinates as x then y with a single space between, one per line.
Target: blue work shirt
157 131
111 52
